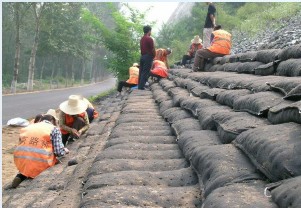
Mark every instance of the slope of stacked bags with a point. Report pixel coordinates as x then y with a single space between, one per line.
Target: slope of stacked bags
238 124
141 164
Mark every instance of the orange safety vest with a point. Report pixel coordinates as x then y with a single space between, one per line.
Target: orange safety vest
134 75
221 43
34 154
160 69
69 121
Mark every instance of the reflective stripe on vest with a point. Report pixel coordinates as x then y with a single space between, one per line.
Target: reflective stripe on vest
32 149
221 43
33 158
134 75
34 154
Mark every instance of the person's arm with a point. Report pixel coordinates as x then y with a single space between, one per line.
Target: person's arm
212 17
153 47
58 146
211 38
86 127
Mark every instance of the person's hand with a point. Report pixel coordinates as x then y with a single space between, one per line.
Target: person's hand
75 133
66 150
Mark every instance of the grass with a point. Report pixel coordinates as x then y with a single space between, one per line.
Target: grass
96 98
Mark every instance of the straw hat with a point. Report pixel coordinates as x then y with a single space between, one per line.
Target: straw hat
196 40
73 105
52 112
86 100
135 64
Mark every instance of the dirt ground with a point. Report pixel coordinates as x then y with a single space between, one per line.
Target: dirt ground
10 138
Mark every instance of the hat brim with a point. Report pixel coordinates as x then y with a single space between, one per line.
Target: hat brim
73 110
199 42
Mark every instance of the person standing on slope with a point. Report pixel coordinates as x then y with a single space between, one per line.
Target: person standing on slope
209 24
148 52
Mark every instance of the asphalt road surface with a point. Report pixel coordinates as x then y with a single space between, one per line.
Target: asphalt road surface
27 105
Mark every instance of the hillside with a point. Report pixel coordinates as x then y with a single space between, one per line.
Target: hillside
252 25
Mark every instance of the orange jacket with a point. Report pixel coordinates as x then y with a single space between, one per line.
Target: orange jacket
69 121
34 154
161 55
134 75
160 69
221 43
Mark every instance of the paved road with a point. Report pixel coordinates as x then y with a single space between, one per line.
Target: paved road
27 105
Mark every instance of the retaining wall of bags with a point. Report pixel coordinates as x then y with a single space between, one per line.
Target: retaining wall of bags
240 130
142 164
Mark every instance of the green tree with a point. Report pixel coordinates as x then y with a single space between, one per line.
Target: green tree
18 10
38 9
122 41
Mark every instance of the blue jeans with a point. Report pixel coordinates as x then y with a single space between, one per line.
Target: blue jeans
146 62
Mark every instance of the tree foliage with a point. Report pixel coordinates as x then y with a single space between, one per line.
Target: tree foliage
64 52
122 40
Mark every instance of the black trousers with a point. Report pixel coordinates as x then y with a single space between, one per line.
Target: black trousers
146 62
122 84
185 59
21 176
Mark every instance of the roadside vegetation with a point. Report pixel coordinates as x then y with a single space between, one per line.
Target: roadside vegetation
97 98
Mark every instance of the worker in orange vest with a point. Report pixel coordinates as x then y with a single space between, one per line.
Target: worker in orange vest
161 55
159 70
73 118
132 81
39 145
220 46
196 44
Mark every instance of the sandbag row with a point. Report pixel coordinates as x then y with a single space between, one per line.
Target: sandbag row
269 97
217 165
141 165
206 114
281 62
236 126
226 80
